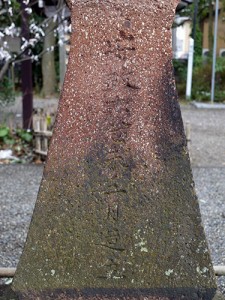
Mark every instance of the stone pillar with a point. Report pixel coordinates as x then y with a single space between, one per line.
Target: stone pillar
117 215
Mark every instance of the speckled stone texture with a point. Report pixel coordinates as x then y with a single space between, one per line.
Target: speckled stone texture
117 215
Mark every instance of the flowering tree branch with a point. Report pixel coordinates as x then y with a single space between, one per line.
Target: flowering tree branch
37 33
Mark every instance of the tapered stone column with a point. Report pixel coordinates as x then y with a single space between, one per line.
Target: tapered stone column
117 215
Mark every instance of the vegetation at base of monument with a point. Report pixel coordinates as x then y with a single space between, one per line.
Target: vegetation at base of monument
19 141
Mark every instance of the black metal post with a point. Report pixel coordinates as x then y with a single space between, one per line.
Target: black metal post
26 73
195 18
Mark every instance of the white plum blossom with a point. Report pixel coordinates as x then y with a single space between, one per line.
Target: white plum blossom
32 42
41 32
4 54
55 18
35 57
40 3
50 49
10 10
28 10
68 29
25 44
33 26
10 30
37 36
60 42
5 44
36 30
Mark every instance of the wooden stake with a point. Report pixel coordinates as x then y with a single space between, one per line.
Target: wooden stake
7 272
10 272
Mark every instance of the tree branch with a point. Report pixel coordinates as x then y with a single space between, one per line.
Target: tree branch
4 69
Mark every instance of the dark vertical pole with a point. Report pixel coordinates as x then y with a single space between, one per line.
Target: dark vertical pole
26 74
195 18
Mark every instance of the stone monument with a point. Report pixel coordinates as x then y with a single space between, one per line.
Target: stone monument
117 215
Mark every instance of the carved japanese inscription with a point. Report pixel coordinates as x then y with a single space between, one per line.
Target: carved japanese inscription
117 216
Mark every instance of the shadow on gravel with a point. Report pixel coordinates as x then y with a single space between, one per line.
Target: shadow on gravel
6 293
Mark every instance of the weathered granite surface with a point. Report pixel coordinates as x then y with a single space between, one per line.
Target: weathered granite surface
117 215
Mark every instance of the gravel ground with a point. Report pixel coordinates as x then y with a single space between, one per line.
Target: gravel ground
19 187
207 136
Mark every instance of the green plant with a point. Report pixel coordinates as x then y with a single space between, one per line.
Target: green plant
19 141
198 41
202 79
4 131
25 135
6 136
180 73
7 94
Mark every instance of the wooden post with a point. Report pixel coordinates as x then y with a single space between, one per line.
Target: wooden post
37 128
7 272
44 137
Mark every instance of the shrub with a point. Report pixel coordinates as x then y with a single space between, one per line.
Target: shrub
180 73
202 75
7 95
